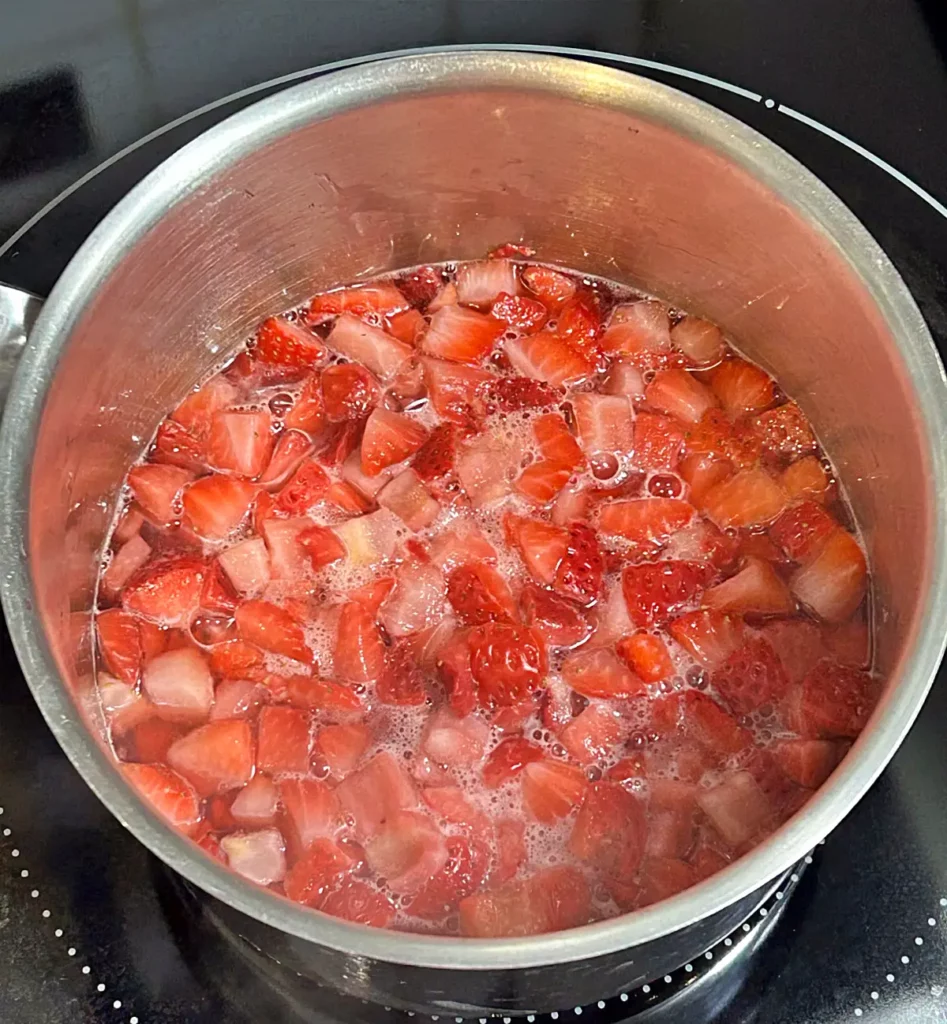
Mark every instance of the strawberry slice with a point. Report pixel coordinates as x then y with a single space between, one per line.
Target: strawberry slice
541 481
457 742
742 387
610 831
801 530
237 659
553 288
409 499
417 600
454 666
419 286
806 478
657 441
737 808
179 684
321 695
281 342
663 877
287 556
349 392
240 441
310 813
463 874
519 312
719 439
453 389
407 326
479 594
360 300
623 378
599 673
238 698
376 792
605 424
511 852
579 573
283 741
482 282
508 759
359 649
308 411
152 738
552 789
197 411
389 437
647 656
156 488
215 757
176 446
487 466
407 851
272 628
216 505
463 543
169 794
557 621
709 636
785 431
546 357
756 588
513 394
402 682
507 661
318 872
798 644
833 700
119 643
656 591
647 522
435 458
167 590
306 487
461 335
699 340
291 448
579 323
347 499
370 346
834 582
751 676
679 394
342 746
640 330
594 734
751 498
807 762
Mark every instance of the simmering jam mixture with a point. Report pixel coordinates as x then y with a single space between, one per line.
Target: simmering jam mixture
483 599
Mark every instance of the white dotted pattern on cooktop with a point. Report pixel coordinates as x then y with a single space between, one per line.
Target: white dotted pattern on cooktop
71 951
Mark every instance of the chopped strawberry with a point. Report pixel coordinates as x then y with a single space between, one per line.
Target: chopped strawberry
601 674
417 600
256 804
742 387
785 431
481 283
737 807
322 695
287 555
555 619
359 649
337 443
318 872
367 486
641 330
371 346
463 543
647 656
370 539
756 588
508 662
407 326
462 874
152 738
709 636
310 812
647 522
699 340
605 423
579 572
409 499
849 642
308 411
283 740
157 488
679 394
707 857
362 299
624 378
349 391
805 478
751 676
716 437
284 343
435 458
834 700
357 901
454 666
217 597
487 466
797 643
550 900
519 312
553 288
291 448
375 793
240 441
407 851
346 498
751 498
610 831
216 505
807 762
215 757
446 296
197 411
702 473
664 877
453 389
706 722
237 659
169 794
402 682
511 852
389 437
834 582
322 546
656 591
461 335
802 530
594 734
657 441
508 759
579 323
237 698
272 628
419 286
342 745
701 541
179 684
119 643
542 480
176 446
545 356
167 590
552 789
479 594
512 394
307 486
457 742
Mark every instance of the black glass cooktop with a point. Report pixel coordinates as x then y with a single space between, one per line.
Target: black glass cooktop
92 928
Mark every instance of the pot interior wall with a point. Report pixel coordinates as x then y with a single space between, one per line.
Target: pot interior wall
419 178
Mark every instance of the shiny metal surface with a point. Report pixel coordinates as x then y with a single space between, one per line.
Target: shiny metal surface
439 157
18 313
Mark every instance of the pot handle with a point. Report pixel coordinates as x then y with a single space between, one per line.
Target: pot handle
18 313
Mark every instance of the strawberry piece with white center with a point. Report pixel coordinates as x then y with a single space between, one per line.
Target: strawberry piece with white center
410 500
271 627
124 707
600 673
407 851
612 620
157 489
742 387
167 590
371 539
256 804
310 811
487 466
258 856
833 584
179 685
359 649
699 340
709 636
679 394
461 335
291 448
170 795
449 804
638 328
554 618
196 412
215 757
751 498
479 284
241 441
281 342
247 566
238 698
546 357
807 762
453 388
381 297
605 424
288 559
737 807
542 480
124 563
457 742
464 542
594 735
389 437
376 792
542 546
757 588
552 789
366 485
645 521
624 378
417 601
371 346
216 505
554 288
343 745
283 740
322 546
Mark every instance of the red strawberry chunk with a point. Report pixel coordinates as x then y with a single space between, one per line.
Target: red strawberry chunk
375 793
798 644
806 478
604 423
272 628
756 588
167 590
283 741
240 441
247 566
403 681
508 759
751 676
435 458
453 389
709 636
557 621
321 545
284 343
463 543
216 505
287 555
454 741
552 287
409 499
119 643
291 448
359 649
546 357
176 446
487 466
308 411
541 481
370 346
479 594
645 521
349 392
807 762
451 806
679 394
215 757
237 659
716 437
508 662
849 642
656 591
579 323
705 721
318 872
462 874
157 489
519 312
481 283
179 684
834 582
657 441
357 901
552 789
785 431
461 335
702 473
742 387
511 853
662 878
346 498
342 746
751 498
321 694
639 329
359 300
152 738
802 529
737 807
699 340
389 437
197 411
594 734
407 851
833 700
579 573
647 656
454 666
169 794
417 600
610 831
306 487
310 812
550 900
256 804
512 394
599 673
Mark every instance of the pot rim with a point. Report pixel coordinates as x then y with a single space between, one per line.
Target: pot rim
196 164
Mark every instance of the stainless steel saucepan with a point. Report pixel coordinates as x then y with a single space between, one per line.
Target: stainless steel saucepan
442 157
